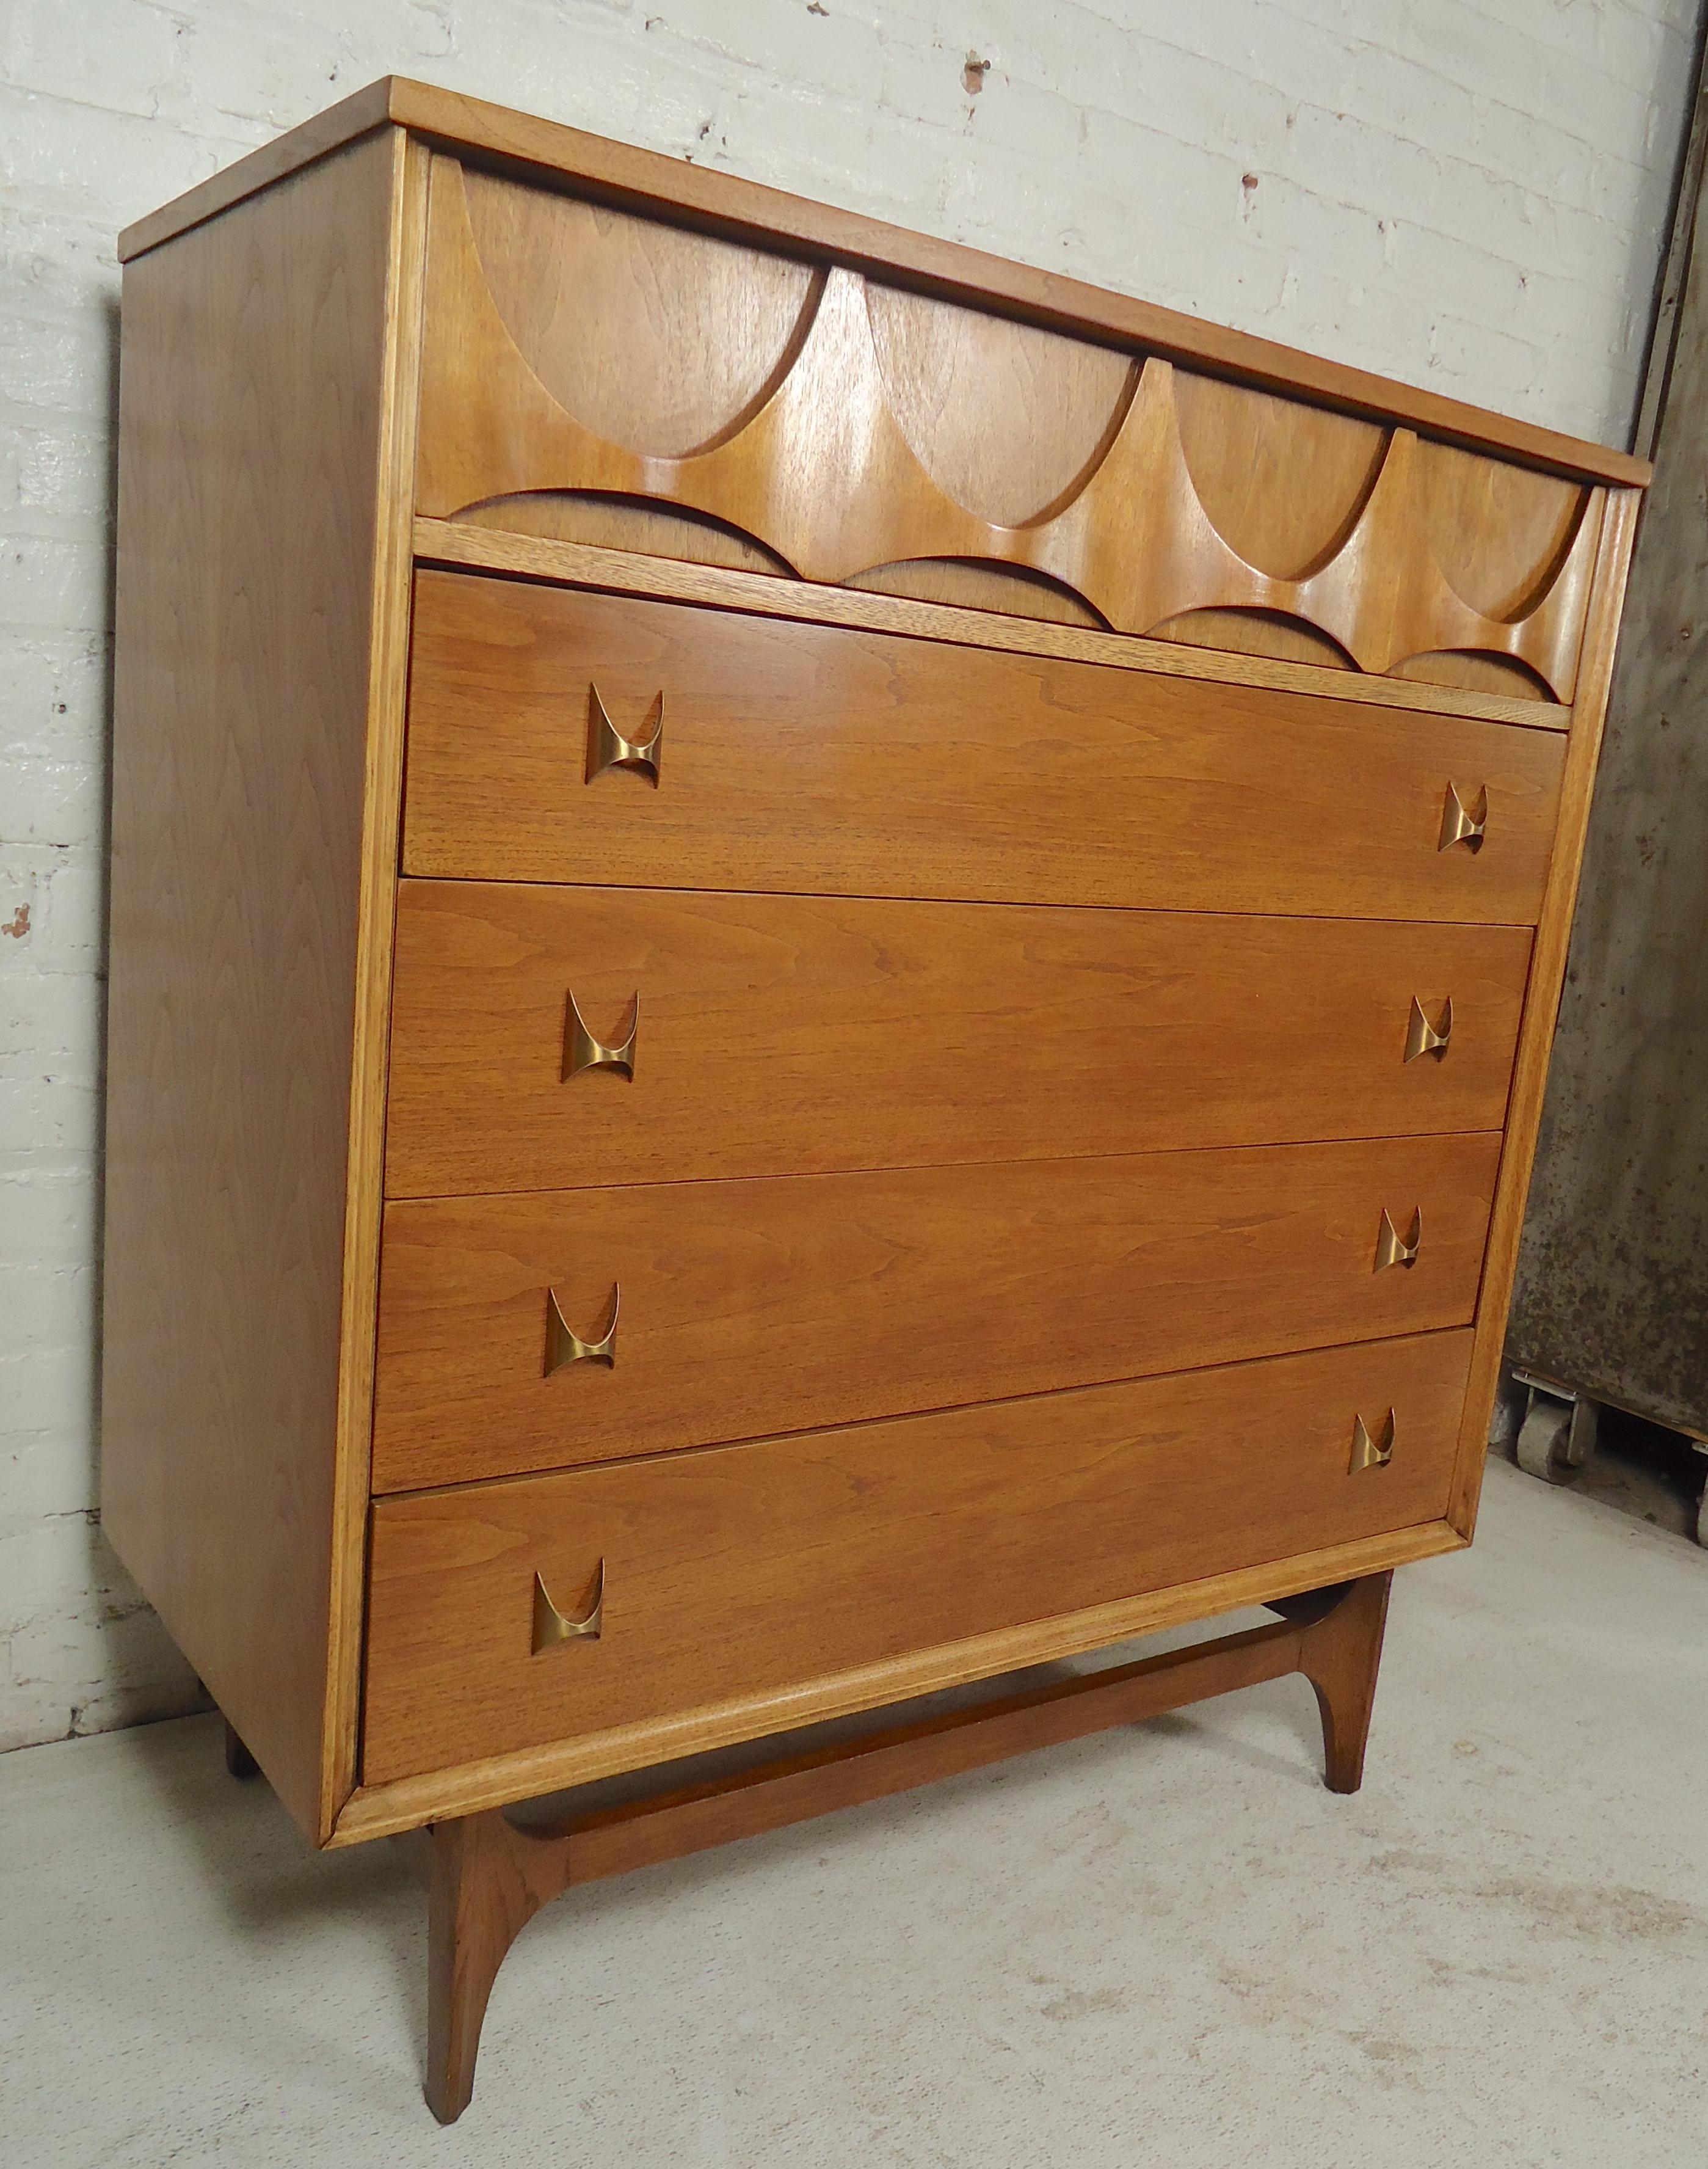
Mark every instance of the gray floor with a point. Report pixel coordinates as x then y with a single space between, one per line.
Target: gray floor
1168 1945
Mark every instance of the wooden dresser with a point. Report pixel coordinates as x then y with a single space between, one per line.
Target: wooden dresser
831 967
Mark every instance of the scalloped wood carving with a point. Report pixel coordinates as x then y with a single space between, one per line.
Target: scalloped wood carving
1173 506
1009 420
661 339
1280 483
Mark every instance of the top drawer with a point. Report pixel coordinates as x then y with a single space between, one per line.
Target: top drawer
810 760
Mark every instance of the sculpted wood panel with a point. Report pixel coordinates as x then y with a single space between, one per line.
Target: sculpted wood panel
660 339
769 1305
811 758
739 1572
803 1035
844 426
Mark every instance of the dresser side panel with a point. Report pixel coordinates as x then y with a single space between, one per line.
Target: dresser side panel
250 434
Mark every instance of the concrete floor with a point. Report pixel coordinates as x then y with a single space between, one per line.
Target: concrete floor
1168 1945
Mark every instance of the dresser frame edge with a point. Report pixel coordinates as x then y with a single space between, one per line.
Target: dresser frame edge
407 1803
1542 996
388 680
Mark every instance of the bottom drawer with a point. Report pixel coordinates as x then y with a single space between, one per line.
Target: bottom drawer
732 1572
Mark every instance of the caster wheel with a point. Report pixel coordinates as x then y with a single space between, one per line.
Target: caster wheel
1556 1436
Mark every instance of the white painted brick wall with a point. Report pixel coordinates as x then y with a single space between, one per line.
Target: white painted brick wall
1465 195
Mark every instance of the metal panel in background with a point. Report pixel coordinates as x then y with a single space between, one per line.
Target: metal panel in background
1611 1299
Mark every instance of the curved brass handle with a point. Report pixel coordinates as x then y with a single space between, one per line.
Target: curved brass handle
606 748
1423 1038
1391 1248
1368 1450
1461 823
582 1051
562 1346
549 1625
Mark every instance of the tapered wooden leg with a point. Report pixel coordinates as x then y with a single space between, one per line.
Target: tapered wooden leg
1340 1655
239 1761
480 1900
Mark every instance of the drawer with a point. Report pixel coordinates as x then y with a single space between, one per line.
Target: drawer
782 1035
753 1306
732 1574
809 759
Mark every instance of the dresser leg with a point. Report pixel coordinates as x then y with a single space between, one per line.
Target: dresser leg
1340 1653
480 1900
239 1762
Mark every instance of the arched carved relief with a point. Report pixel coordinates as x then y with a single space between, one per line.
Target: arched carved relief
658 339
980 583
1504 675
1283 484
1255 632
614 522
1182 507
1500 534
1009 420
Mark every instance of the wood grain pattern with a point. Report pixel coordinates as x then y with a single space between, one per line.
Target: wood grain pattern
771 1305
527 1774
644 181
1008 420
623 523
804 1035
968 585
1283 484
737 1572
1542 1008
924 608
880 427
382 794
807 758
490 1876
658 338
250 469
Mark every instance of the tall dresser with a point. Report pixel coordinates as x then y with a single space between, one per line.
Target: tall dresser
831 968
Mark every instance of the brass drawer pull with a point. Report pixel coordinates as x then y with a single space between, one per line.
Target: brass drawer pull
582 1051
1461 823
606 748
1392 1249
562 1346
550 1628
1370 1451
1422 1038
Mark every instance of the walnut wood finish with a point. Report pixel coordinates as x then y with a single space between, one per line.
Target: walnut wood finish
490 1876
1542 1008
931 602
801 1034
381 1810
792 1560
250 568
1066 695
752 1307
809 759
618 174
845 426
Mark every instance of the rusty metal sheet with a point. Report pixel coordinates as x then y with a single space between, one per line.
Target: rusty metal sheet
1611 1296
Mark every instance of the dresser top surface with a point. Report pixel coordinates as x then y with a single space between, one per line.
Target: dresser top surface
650 182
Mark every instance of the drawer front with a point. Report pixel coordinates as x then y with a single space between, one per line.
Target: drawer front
730 1574
807 759
801 1034
753 1306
